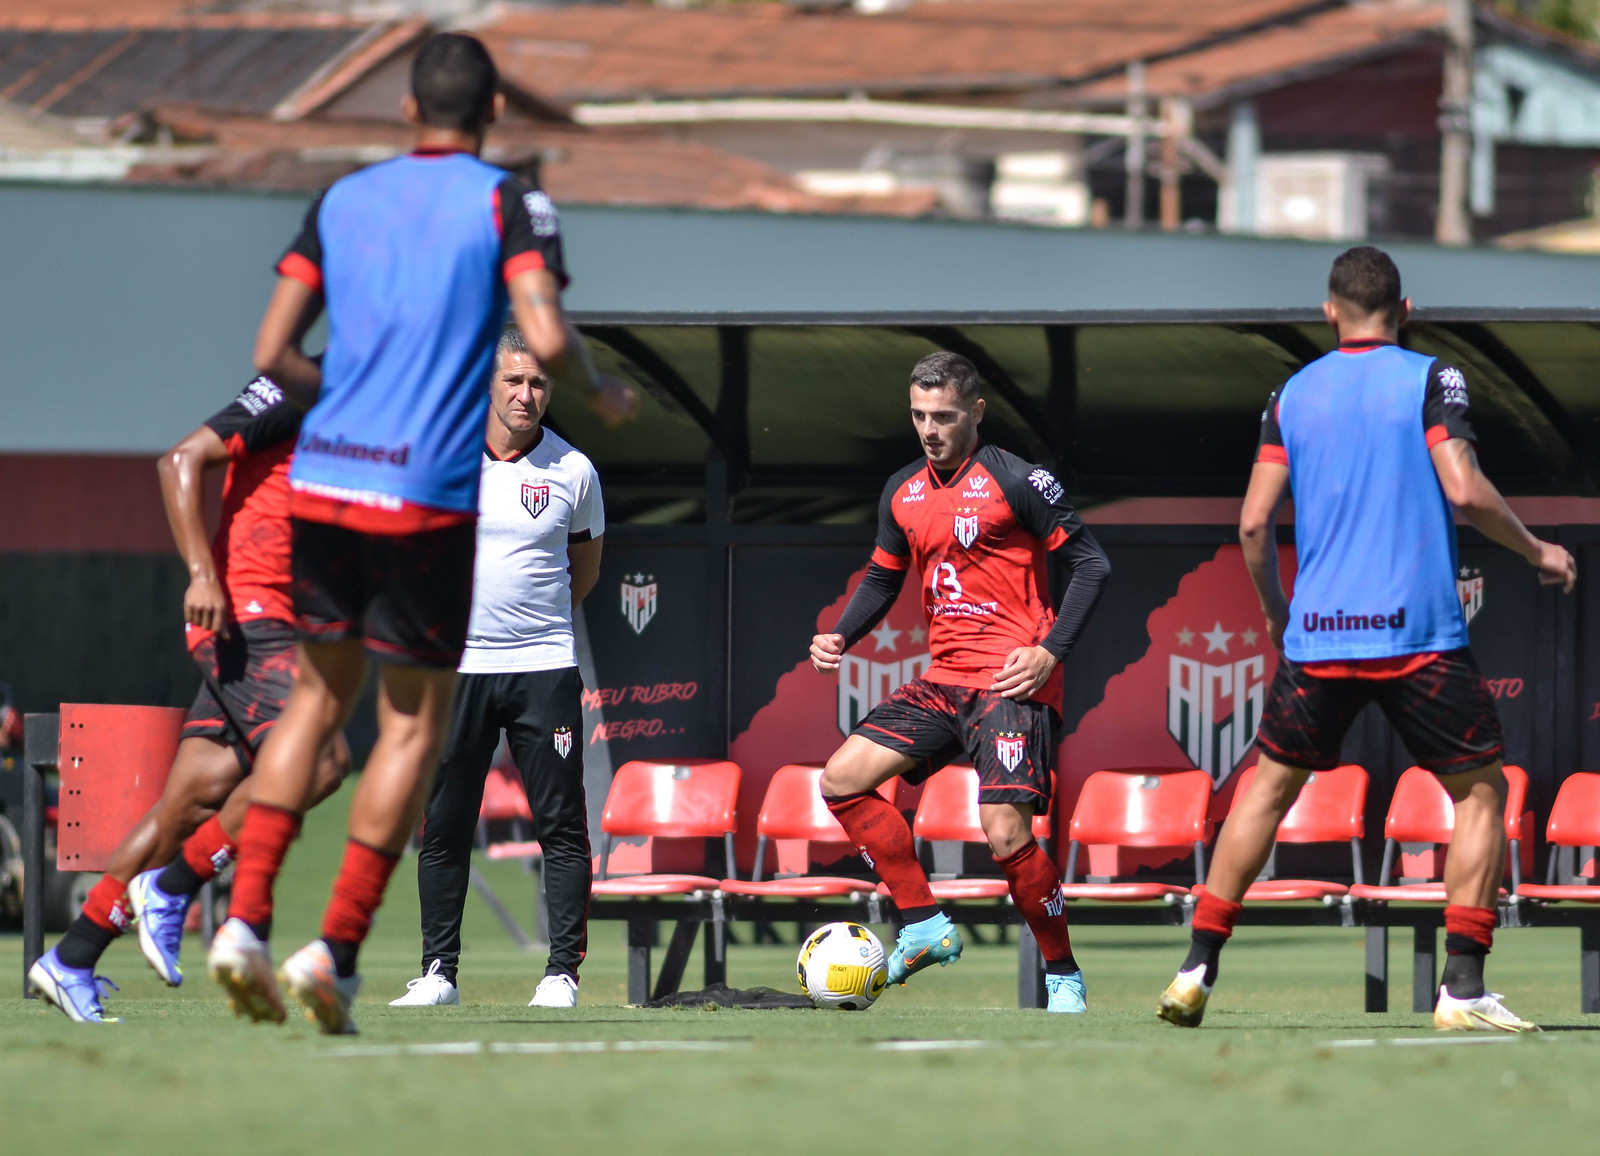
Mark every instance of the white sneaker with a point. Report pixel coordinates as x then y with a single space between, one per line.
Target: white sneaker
430 989
242 964
1484 1014
555 991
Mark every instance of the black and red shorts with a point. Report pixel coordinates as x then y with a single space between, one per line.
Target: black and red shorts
1011 743
408 597
1443 712
247 677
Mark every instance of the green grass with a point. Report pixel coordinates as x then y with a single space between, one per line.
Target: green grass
1263 1074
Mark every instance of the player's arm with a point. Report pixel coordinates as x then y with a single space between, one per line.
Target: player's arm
182 472
583 567
1040 504
1447 425
295 306
875 594
1258 537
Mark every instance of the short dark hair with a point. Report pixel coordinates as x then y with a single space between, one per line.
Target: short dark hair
944 370
1367 278
453 80
512 341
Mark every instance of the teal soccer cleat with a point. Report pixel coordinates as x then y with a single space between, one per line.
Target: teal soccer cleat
1067 993
920 945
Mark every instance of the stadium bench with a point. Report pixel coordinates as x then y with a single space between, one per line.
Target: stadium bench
1574 822
505 807
1139 807
1330 809
793 809
687 799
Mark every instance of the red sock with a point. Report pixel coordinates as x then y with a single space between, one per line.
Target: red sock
263 842
209 850
1036 890
880 833
1474 923
1215 915
107 905
357 892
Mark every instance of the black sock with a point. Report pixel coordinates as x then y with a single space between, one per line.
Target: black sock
344 957
84 943
1204 948
263 929
1463 966
1060 966
178 878
918 914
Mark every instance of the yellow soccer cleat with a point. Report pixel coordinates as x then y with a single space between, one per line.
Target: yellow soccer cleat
1184 1001
241 963
1484 1014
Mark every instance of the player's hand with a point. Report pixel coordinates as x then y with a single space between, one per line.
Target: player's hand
1556 567
206 606
614 400
1025 671
1276 625
826 651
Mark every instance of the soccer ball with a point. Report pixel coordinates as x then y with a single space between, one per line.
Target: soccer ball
842 965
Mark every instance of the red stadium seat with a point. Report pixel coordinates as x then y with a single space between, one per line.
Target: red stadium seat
1139 808
1329 810
1574 822
504 801
793 809
691 798
948 812
1421 812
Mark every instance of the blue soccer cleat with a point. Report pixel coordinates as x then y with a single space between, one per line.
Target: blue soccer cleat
75 990
160 917
920 945
1066 993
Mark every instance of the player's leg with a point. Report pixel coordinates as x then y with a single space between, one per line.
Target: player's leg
1445 715
1303 725
545 731
444 864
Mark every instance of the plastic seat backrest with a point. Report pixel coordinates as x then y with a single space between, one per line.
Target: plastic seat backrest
1330 809
949 807
503 798
1142 808
688 798
1421 810
1575 815
793 808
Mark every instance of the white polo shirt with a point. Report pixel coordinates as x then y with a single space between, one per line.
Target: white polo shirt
529 507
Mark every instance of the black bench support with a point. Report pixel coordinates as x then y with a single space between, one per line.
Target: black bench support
41 747
1424 967
1377 969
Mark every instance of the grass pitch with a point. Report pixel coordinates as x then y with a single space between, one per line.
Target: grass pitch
1286 1060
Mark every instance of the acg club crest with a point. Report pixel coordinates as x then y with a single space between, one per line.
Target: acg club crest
1469 584
1010 749
966 530
639 600
1214 699
535 498
563 741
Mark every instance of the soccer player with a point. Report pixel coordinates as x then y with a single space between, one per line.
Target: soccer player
415 259
240 631
977 523
540 524
1376 443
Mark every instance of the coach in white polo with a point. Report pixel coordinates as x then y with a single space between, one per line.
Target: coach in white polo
540 521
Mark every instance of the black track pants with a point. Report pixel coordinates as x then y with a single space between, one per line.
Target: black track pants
541 712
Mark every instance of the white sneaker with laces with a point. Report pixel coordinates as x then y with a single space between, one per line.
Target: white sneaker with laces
555 991
430 989
1484 1014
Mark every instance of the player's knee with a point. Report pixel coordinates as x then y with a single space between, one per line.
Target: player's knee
1008 830
841 776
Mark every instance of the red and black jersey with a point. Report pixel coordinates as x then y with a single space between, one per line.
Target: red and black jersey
251 546
979 538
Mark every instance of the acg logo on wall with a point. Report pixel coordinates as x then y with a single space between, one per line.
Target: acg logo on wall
866 681
1469 584
1214 698
638 600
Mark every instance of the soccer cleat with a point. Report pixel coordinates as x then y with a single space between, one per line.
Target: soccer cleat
1484 1014
75 990
555 991
1067 993
309 976
160 918
241 963
1184 1001
430 989
920 945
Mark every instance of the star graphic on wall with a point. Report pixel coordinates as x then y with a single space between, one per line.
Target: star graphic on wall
1185 637
1249 637
1464 574
884 636
1217 639
918 634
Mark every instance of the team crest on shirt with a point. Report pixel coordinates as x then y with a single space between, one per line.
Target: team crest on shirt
1009 748
535 498
1469 585
966 528
563 741
638 600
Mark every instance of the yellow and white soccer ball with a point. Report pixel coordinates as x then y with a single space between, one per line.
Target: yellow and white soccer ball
842 965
